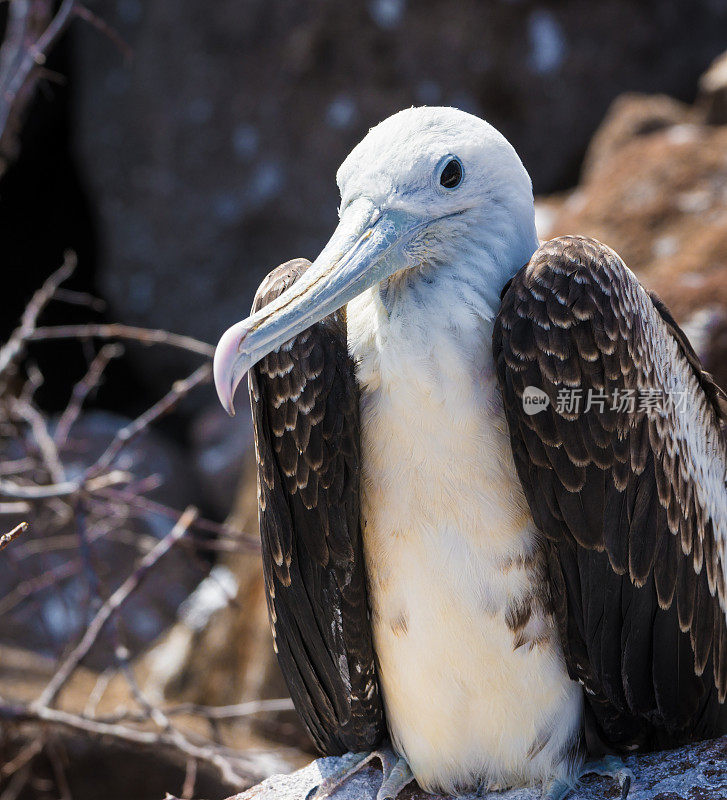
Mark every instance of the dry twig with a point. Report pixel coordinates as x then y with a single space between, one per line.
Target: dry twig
82 389
99 504
8 537
145 336
101 25
25 22
15 346
63 489
31 32
237 769
117 599
209 713
43 439
81 299
127 434
50 577
227 538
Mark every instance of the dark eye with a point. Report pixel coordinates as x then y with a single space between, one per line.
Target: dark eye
451 176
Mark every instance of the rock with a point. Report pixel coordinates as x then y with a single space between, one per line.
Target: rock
712 97
656 192
697 771
211 158
629 117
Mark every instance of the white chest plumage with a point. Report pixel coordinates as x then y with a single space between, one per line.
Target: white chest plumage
474 683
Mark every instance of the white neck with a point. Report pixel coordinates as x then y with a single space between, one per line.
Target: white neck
438 315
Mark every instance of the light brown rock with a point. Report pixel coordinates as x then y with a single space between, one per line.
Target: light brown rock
660 200
712 97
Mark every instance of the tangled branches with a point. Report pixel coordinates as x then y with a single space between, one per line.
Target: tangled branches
69 496
31 31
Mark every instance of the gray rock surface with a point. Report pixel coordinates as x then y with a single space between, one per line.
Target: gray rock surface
698 772
211 157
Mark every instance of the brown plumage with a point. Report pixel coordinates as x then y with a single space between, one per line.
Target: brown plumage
305 410
636 570
634 543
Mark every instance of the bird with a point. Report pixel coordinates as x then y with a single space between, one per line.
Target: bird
491 482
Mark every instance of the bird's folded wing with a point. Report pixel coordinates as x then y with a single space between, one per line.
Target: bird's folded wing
306 417
624 472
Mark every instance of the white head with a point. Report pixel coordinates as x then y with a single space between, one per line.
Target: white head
427 188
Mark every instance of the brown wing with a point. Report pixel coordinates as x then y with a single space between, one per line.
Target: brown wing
632 502
306 417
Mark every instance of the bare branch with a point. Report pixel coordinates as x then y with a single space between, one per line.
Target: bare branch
17 783
82 389
15 345
234 711
63 489
101 25
32 384
25 22
39 51
99 690
190 779
16 466
117 599
26 755
81 299
24 51
14 508
101 503
162 721
55 756
147 336
127 434
237 769
229 535
238 711
50 577
43 439
31 32
8 537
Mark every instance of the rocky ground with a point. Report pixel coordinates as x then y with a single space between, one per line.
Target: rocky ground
694 773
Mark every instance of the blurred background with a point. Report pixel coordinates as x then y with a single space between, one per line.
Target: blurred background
165 155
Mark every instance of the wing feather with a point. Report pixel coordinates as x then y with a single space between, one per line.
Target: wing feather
305 410
631 499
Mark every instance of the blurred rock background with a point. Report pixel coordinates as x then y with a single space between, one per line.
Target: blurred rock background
183 170
212 156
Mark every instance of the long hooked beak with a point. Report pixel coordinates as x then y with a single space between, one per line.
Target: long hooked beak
367 247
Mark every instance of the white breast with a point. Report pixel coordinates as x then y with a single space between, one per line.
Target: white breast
450 547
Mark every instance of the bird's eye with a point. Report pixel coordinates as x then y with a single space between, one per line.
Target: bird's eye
452 174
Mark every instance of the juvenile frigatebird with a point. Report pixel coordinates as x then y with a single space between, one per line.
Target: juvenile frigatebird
491 481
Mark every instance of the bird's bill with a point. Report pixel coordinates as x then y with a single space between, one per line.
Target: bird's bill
366 248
